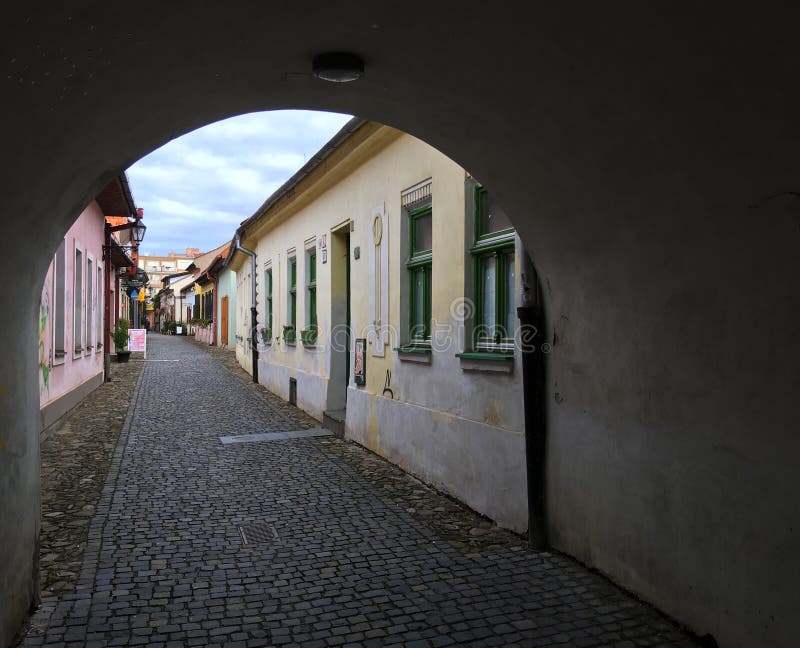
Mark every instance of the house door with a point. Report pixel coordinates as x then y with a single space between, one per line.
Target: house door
339 258
224 328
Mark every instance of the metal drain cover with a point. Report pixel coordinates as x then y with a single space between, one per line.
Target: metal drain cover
258 533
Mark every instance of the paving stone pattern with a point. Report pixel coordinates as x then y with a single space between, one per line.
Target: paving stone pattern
76 452
336 560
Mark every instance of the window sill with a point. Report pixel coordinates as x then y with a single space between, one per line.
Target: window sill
418 354
487 361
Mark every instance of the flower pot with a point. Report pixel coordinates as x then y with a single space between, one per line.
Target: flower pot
123 356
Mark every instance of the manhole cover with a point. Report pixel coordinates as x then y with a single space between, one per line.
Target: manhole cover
258 533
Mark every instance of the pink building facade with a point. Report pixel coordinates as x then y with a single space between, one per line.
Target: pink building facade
71 344
82 300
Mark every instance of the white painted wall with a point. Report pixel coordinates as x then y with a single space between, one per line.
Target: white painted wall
444 406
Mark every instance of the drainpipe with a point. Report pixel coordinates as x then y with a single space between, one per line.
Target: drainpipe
531 320
216 313
107 301
253 310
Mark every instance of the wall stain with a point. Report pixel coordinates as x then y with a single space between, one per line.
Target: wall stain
493 413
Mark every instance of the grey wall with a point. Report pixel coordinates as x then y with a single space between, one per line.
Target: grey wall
635 146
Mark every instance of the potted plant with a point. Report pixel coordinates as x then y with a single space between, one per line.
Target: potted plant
120 337
288 333
309 335
266 335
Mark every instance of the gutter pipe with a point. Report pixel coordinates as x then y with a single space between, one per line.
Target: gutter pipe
253 310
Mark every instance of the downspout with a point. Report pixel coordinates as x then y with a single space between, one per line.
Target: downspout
107 302
530 313
253 310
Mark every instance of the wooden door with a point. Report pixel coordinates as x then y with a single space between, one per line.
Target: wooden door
224 327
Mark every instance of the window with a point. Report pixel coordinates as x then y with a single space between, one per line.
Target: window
494 275
419 265
208 305
89 303
268 291
77 303
291 314
59 300
311 289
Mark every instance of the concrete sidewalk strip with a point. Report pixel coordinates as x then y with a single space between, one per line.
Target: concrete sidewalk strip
275 436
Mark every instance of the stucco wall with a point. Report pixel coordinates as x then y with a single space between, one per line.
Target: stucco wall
471 409
227 288
648 154
76 367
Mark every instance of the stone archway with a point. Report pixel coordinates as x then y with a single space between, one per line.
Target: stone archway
653 154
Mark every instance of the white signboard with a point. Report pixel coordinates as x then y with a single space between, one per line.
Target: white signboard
137 340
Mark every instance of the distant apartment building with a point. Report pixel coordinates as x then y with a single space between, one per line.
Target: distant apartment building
158 267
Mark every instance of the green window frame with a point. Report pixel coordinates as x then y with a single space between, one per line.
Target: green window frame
419 266
293 292
480 194
268 291
311 288
494 278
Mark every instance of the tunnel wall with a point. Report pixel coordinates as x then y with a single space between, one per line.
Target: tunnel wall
648 157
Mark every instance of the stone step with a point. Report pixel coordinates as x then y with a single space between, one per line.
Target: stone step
333 420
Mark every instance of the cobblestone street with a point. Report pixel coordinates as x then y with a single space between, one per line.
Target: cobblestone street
308 541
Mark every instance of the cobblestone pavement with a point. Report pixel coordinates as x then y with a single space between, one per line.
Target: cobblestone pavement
333 558
76 453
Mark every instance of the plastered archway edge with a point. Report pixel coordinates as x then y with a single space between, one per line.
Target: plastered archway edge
649 157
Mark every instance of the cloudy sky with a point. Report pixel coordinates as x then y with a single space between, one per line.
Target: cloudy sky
195 190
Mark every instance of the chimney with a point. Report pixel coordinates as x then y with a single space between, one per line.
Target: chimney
140 212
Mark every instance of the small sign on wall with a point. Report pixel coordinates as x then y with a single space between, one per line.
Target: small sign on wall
323 247
359 362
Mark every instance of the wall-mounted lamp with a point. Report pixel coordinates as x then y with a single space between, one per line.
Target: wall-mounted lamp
138 228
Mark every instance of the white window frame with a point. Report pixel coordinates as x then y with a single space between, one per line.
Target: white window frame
60 298
78 299
89 303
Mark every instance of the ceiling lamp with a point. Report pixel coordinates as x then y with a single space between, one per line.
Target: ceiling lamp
338 67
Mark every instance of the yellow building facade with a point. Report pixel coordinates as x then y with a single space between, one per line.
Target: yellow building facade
386 297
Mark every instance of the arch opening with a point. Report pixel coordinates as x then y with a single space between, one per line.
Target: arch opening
638 217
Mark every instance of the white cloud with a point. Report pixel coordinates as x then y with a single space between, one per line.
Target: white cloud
196 189
202 159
